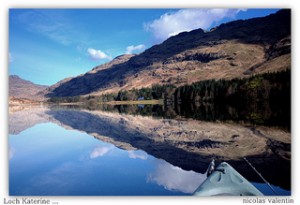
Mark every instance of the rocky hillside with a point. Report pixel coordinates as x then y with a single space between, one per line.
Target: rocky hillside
20 88
236 49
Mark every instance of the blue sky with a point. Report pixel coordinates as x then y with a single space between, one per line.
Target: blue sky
48 45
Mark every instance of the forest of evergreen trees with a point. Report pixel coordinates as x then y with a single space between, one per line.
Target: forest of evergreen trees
263 87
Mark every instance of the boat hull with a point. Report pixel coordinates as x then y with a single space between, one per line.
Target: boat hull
226 181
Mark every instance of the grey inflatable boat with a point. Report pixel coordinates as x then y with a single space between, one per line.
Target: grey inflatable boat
226 181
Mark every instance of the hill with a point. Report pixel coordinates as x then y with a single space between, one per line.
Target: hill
236 49
20 88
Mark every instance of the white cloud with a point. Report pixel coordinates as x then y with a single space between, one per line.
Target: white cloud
132 49
54 24
97 54
171 24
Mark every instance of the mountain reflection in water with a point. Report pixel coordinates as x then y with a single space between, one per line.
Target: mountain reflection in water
181 148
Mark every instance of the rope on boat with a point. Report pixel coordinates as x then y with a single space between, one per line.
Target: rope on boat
260 175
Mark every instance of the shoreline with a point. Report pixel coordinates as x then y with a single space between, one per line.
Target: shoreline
133 102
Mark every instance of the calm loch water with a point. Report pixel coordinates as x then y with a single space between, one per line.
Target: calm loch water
65 151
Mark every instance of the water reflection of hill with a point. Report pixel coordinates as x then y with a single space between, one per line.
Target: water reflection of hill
189 144
252 113
25 117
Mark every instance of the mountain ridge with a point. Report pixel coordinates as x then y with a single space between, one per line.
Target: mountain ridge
235 49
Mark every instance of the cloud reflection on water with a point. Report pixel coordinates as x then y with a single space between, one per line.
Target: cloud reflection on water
138 154
175 178
100 151
11 152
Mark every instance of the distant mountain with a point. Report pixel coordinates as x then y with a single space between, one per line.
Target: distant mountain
20 88
232 50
